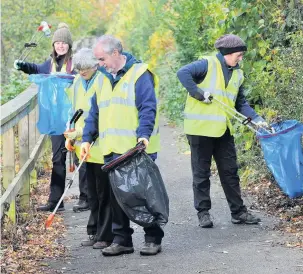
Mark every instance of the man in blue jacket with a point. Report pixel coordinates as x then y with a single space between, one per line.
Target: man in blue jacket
133 120
208 128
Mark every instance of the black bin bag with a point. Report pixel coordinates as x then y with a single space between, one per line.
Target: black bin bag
138 187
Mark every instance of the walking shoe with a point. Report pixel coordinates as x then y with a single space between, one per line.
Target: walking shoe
50 207
245 218
90 242
150 249
82 205
101 245
204 219
116 249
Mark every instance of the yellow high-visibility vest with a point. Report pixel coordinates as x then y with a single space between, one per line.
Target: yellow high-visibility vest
210 119
81 99
63 68
117 127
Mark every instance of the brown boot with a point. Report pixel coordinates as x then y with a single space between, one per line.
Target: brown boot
116 249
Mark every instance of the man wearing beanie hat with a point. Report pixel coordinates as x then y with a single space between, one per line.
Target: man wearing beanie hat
208 128
60 61
230 43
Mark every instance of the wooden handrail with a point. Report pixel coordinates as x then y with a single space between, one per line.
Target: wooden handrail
22 112
14 110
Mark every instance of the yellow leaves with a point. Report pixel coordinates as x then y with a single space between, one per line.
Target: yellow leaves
160 43
245 176
269 113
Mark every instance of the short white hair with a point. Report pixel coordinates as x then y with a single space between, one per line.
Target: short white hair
85 59
109 44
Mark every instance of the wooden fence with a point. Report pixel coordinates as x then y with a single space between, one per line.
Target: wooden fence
19 151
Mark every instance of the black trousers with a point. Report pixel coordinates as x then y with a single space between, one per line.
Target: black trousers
100 219
121 223
224 152
58 175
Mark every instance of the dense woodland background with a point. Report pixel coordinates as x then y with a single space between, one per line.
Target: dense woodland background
171 33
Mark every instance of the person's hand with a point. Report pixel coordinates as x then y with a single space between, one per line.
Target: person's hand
73 133
263 124
18 64
84 151
207 97
69 145
145 141
203 96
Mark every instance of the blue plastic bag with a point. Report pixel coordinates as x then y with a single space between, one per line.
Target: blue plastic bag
283 154
54 104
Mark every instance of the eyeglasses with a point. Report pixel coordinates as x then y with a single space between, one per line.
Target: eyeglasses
77 69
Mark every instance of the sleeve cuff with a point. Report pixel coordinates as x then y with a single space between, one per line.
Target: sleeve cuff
258 119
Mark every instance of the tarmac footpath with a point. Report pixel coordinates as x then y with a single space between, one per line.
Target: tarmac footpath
186 248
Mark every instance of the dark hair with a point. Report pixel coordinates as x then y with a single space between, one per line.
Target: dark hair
67 57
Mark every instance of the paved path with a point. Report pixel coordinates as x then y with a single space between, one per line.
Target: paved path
187 248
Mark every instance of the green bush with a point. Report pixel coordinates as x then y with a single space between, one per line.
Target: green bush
17 83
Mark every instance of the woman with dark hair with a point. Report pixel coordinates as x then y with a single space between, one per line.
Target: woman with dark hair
60 61
61 58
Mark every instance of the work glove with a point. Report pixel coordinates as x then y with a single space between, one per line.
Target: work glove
145 141
20 65
203 96
83 150
262 124
69 145
73 133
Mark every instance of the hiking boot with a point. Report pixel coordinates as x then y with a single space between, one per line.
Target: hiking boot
82 205
116 249
245 218
50 207
90 242
150 249
101 245
204 219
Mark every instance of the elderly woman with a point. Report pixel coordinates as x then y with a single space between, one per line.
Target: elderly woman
88 82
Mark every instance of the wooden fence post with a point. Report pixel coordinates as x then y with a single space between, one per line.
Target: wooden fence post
23 136
31 144
8 154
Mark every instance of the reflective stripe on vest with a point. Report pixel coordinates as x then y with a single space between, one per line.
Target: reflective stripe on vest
119 115
82 100
209 119
123 132
64 68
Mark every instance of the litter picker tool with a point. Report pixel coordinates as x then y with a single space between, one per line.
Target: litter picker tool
51 217
281 144
247 121
73 120
42 30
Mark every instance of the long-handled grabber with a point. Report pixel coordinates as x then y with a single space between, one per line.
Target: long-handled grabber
73 121
50 218
42 30
247 121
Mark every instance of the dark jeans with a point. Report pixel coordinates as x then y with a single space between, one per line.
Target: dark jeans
224 152
100 219
58 175
121 223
